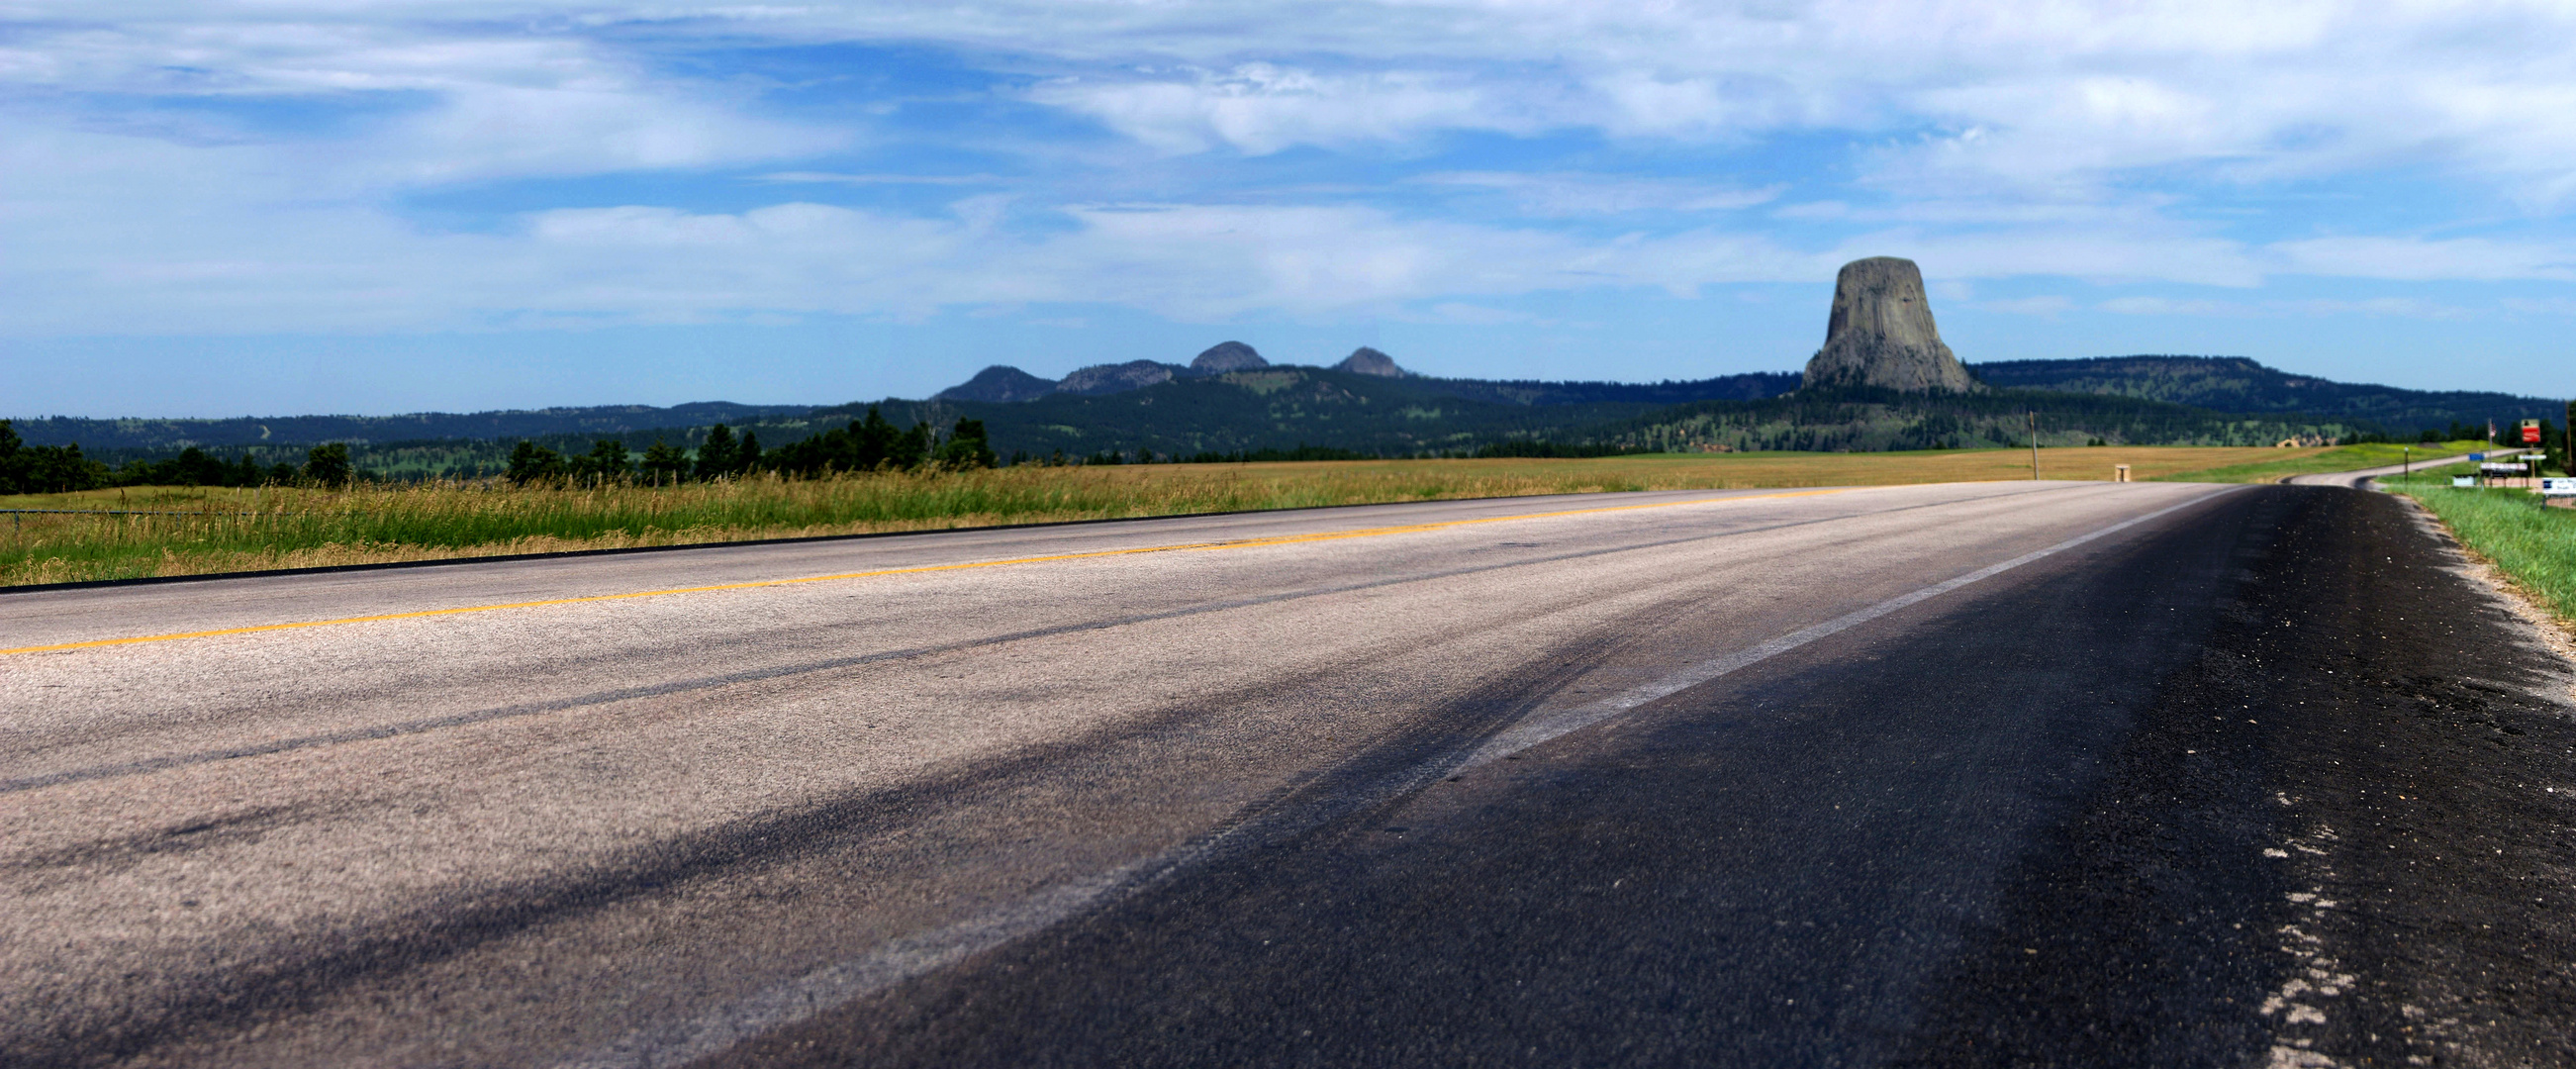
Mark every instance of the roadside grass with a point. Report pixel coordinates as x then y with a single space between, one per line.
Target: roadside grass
207 530
2288 462
2534 546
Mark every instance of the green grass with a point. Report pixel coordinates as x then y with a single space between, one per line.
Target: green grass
2535 546
2339 458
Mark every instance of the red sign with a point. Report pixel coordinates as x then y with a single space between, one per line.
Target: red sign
2531 434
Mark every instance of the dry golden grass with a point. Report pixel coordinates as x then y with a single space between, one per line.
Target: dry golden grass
221 530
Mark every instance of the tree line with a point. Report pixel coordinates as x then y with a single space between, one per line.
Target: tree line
869 443
61 469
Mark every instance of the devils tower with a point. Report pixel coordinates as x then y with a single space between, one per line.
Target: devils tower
1881 333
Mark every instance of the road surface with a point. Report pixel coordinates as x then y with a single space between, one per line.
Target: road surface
2007 773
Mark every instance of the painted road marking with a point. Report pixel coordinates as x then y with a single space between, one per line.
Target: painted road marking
681 1041
1247 543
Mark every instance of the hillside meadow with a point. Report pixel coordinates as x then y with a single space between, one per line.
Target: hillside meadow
141 531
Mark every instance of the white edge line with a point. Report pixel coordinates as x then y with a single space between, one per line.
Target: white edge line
680 1042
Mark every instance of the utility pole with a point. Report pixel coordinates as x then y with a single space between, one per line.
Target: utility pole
2034 445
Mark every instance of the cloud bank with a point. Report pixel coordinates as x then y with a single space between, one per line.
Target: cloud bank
352 166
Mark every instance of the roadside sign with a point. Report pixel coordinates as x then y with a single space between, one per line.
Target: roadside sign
2531 432
2501 469
2558 487
2477 456
2532 458
2464 480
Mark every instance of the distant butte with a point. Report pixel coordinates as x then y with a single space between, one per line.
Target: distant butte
1228 356
1881 334
1367 361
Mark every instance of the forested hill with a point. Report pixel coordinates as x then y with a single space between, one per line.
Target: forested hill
1282 408
2236 384
1747 387
153 435
2131 400
1870 419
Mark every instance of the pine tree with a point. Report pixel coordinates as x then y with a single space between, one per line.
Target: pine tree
716 455
875 441
910 448
967 447
530 463
608 461
664 462
13 461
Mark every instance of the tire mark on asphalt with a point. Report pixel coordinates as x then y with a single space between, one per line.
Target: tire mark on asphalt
470 918
1380 773
655 690
1256 542
1576 719
1384 777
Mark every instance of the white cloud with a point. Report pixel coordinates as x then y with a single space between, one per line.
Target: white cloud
847 179
1260 108
2474 259
2046 307
2402 307
2035 92
489 132
2006 140
1574 195
445 101
2166 306
1475 315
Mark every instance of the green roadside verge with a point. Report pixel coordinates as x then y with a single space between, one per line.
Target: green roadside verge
2340 458
2532 545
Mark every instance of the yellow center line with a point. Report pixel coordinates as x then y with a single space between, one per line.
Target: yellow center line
1246 543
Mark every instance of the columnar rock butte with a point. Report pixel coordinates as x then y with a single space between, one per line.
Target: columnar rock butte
1881 333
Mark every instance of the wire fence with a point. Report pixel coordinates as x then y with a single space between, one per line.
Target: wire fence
133 512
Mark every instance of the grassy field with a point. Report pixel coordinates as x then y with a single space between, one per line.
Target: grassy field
2533 545
207 530
2278 464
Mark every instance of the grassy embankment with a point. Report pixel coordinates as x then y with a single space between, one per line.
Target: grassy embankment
221 530
2534 546
2279 464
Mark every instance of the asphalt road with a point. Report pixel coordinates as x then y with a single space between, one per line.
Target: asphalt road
2008 773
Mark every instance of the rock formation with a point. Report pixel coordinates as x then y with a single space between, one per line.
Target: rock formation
1000 382
1116 378
1367 361
1228 356
1881 333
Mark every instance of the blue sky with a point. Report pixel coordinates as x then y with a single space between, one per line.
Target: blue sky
346 206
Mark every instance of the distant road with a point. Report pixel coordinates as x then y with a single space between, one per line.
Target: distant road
2355 479
1962 774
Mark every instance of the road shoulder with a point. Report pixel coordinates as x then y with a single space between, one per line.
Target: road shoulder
2374 739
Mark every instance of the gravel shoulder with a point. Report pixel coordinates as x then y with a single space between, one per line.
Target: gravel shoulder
2397 741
